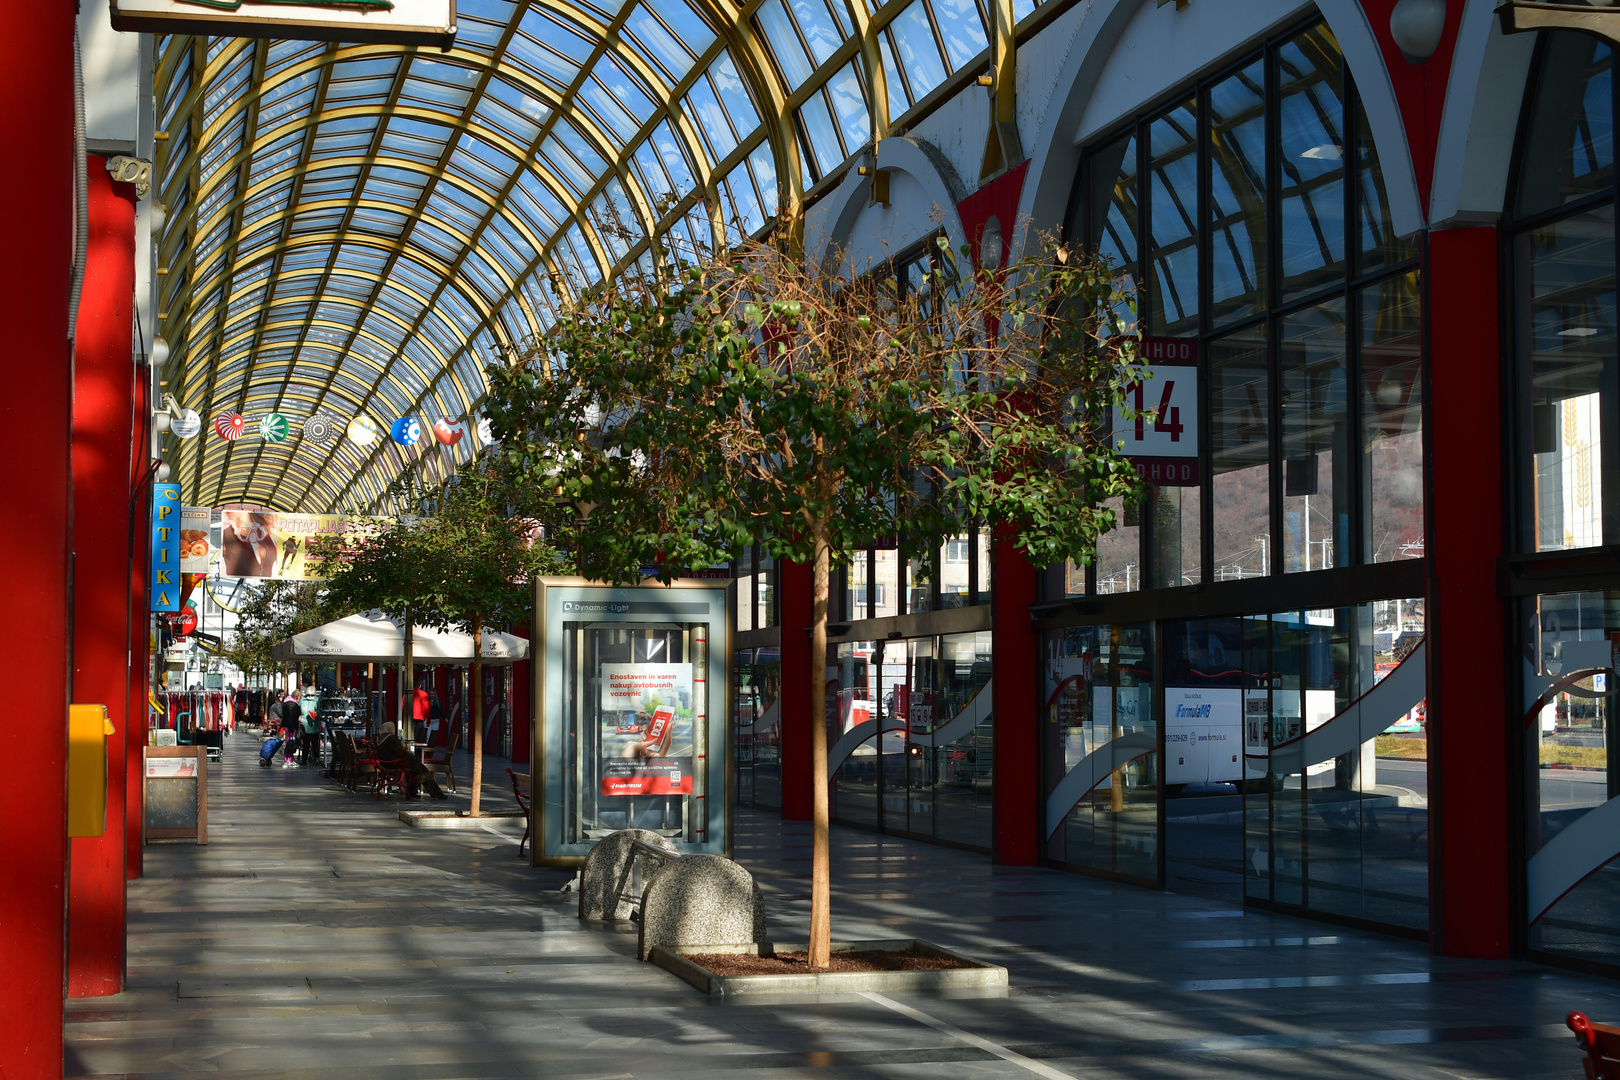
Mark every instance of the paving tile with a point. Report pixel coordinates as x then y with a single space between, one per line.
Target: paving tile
316 937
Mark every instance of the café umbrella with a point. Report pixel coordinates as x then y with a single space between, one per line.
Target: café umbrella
374 638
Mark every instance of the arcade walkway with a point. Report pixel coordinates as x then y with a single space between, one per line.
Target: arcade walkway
317 937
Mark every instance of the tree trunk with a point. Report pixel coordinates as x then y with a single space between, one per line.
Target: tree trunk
476 693
820 853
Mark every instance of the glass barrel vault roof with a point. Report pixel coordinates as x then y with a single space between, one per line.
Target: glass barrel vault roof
356 229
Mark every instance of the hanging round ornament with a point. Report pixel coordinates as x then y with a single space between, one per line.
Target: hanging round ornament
320 428
448 432
229 426
406 431
362 431
185 424
274 428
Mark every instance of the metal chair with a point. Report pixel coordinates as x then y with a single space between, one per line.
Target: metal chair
523 804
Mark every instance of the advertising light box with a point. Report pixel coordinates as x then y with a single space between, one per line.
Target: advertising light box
632 706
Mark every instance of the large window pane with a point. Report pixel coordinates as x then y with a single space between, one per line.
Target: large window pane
1173 180
1569 141
1240 437
1571 769
1311 161
964 766
855 783
1237 194
1392 419
1119 551
1379 244
1113 205
1100 682
1567 333
1177 537
1315 438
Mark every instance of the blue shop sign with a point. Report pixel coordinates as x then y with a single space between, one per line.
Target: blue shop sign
165 576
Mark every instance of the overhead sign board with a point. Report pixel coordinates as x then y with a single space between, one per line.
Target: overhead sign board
401 22
1161 438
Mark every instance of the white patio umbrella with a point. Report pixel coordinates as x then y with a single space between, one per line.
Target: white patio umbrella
373 638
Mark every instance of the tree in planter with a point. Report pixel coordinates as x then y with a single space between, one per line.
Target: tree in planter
466 566
383 565
749 398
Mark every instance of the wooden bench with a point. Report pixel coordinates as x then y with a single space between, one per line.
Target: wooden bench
1602 1045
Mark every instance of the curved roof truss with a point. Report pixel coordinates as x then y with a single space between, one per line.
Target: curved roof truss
358 229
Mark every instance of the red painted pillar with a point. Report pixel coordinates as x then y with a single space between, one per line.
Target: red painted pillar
36 87
520 702
1469 864
103 378
1013 647
140 624
796 715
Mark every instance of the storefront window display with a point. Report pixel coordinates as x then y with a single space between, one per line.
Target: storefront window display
1571 769
1280 759
913 717
1340 824
1250 213
757 685
1102 750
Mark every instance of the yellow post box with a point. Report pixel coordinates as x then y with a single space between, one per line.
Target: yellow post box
88 728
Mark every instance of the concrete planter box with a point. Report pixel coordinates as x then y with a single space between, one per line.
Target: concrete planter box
978 976
458 819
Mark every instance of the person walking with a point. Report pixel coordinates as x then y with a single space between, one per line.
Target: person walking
288 720
421 711
310 723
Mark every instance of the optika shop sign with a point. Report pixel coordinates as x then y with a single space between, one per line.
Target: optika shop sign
165 565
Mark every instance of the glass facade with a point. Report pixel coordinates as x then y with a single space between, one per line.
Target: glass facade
1258 757
1256 204
1567 503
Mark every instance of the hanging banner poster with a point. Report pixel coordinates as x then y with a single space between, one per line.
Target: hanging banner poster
196 543
165 568
260 543
646 735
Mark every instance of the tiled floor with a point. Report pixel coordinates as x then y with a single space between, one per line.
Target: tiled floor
318 937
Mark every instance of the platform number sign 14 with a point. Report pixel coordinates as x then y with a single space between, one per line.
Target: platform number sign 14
1162 438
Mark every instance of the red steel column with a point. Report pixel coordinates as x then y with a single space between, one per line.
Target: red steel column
103 378
1013 650
1468 767
795 712
36 124
140 656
